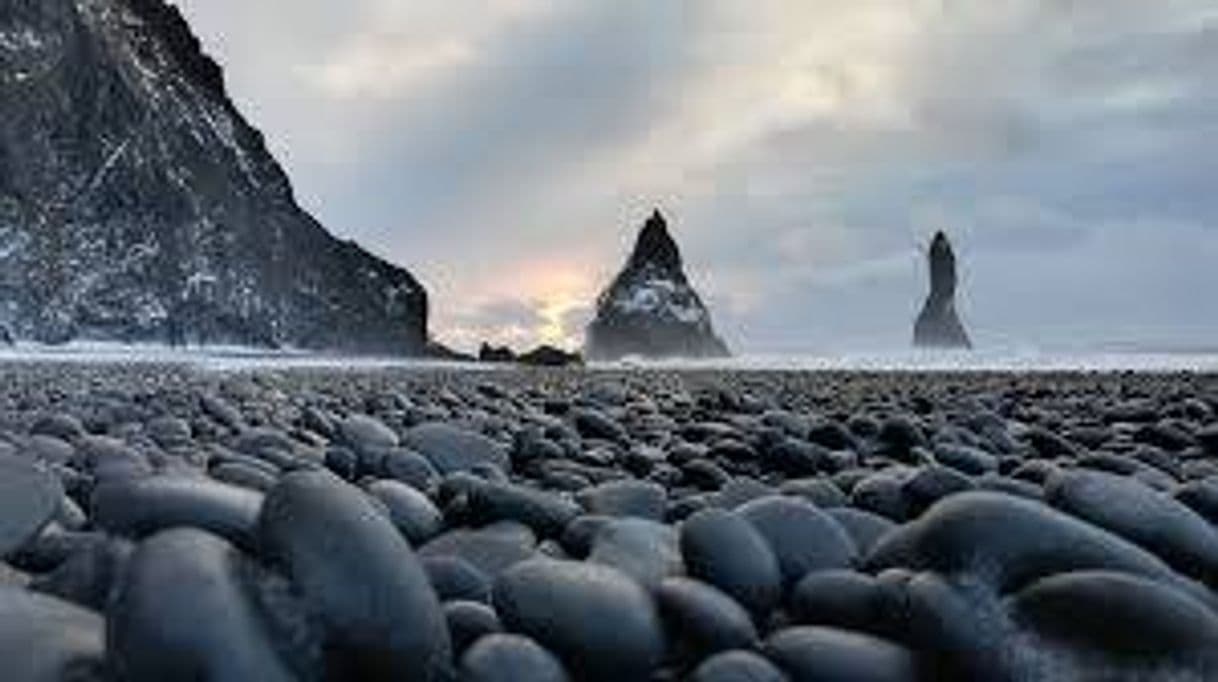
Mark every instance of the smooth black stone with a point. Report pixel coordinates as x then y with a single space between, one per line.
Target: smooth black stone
409 467
89 575
1157 522
705 474
140 507
492 549
342 462
221 410
726 551
49 449
882 494
1164 435
457 485
243 475
30 496
51 547
730 449
580 534
899 435
1010 542
60 425
455 579
563 481
1049 445
848 600
864 527
259 440
319 421
820 654
184 612
1161 460
1202 497
1121 615
169 431
795 457
962 627
832 435
931 484
633 498
450 448
363 432
740 491
702 618
644 550
43 639
802 537
468 621
737 666
1011 486
596 424
411 511
546 513
1106 461
821 492
360 575
1036 471
966 459
599 622
510 658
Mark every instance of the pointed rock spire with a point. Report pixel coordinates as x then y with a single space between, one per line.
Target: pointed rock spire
938 326
655 245
650 309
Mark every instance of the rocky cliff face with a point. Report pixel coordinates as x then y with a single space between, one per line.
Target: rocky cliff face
136 204
938 326
651 310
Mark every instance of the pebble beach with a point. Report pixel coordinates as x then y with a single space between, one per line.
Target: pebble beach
166 522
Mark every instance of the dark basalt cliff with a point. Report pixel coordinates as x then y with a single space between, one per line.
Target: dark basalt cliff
650 309
939 326
136 204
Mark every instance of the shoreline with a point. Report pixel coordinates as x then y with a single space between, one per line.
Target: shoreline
890 362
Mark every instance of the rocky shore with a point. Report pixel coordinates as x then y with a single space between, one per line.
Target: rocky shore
163 523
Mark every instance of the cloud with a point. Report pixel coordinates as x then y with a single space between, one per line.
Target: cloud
507 150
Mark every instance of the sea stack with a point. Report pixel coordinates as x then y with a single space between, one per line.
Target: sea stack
938 326
651 310
138 205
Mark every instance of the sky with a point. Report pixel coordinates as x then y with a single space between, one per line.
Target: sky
507 151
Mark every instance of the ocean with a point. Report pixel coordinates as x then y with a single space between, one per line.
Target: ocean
983 360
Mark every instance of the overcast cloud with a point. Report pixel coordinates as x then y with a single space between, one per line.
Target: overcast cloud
505 151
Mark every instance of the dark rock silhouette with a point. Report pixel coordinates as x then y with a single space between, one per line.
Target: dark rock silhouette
136 204
549 356
497 354
938 326
650 309
541 356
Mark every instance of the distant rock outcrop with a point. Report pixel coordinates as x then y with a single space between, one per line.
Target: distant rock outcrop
497 354
938 326
650 309
549 356
137 204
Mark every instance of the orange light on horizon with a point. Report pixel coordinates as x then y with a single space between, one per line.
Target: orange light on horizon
552 289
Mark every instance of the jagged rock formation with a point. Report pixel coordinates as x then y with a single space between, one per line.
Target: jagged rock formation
496 354
938 326
550 356
136 204
651 310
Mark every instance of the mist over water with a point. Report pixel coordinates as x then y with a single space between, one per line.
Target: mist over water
993 359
